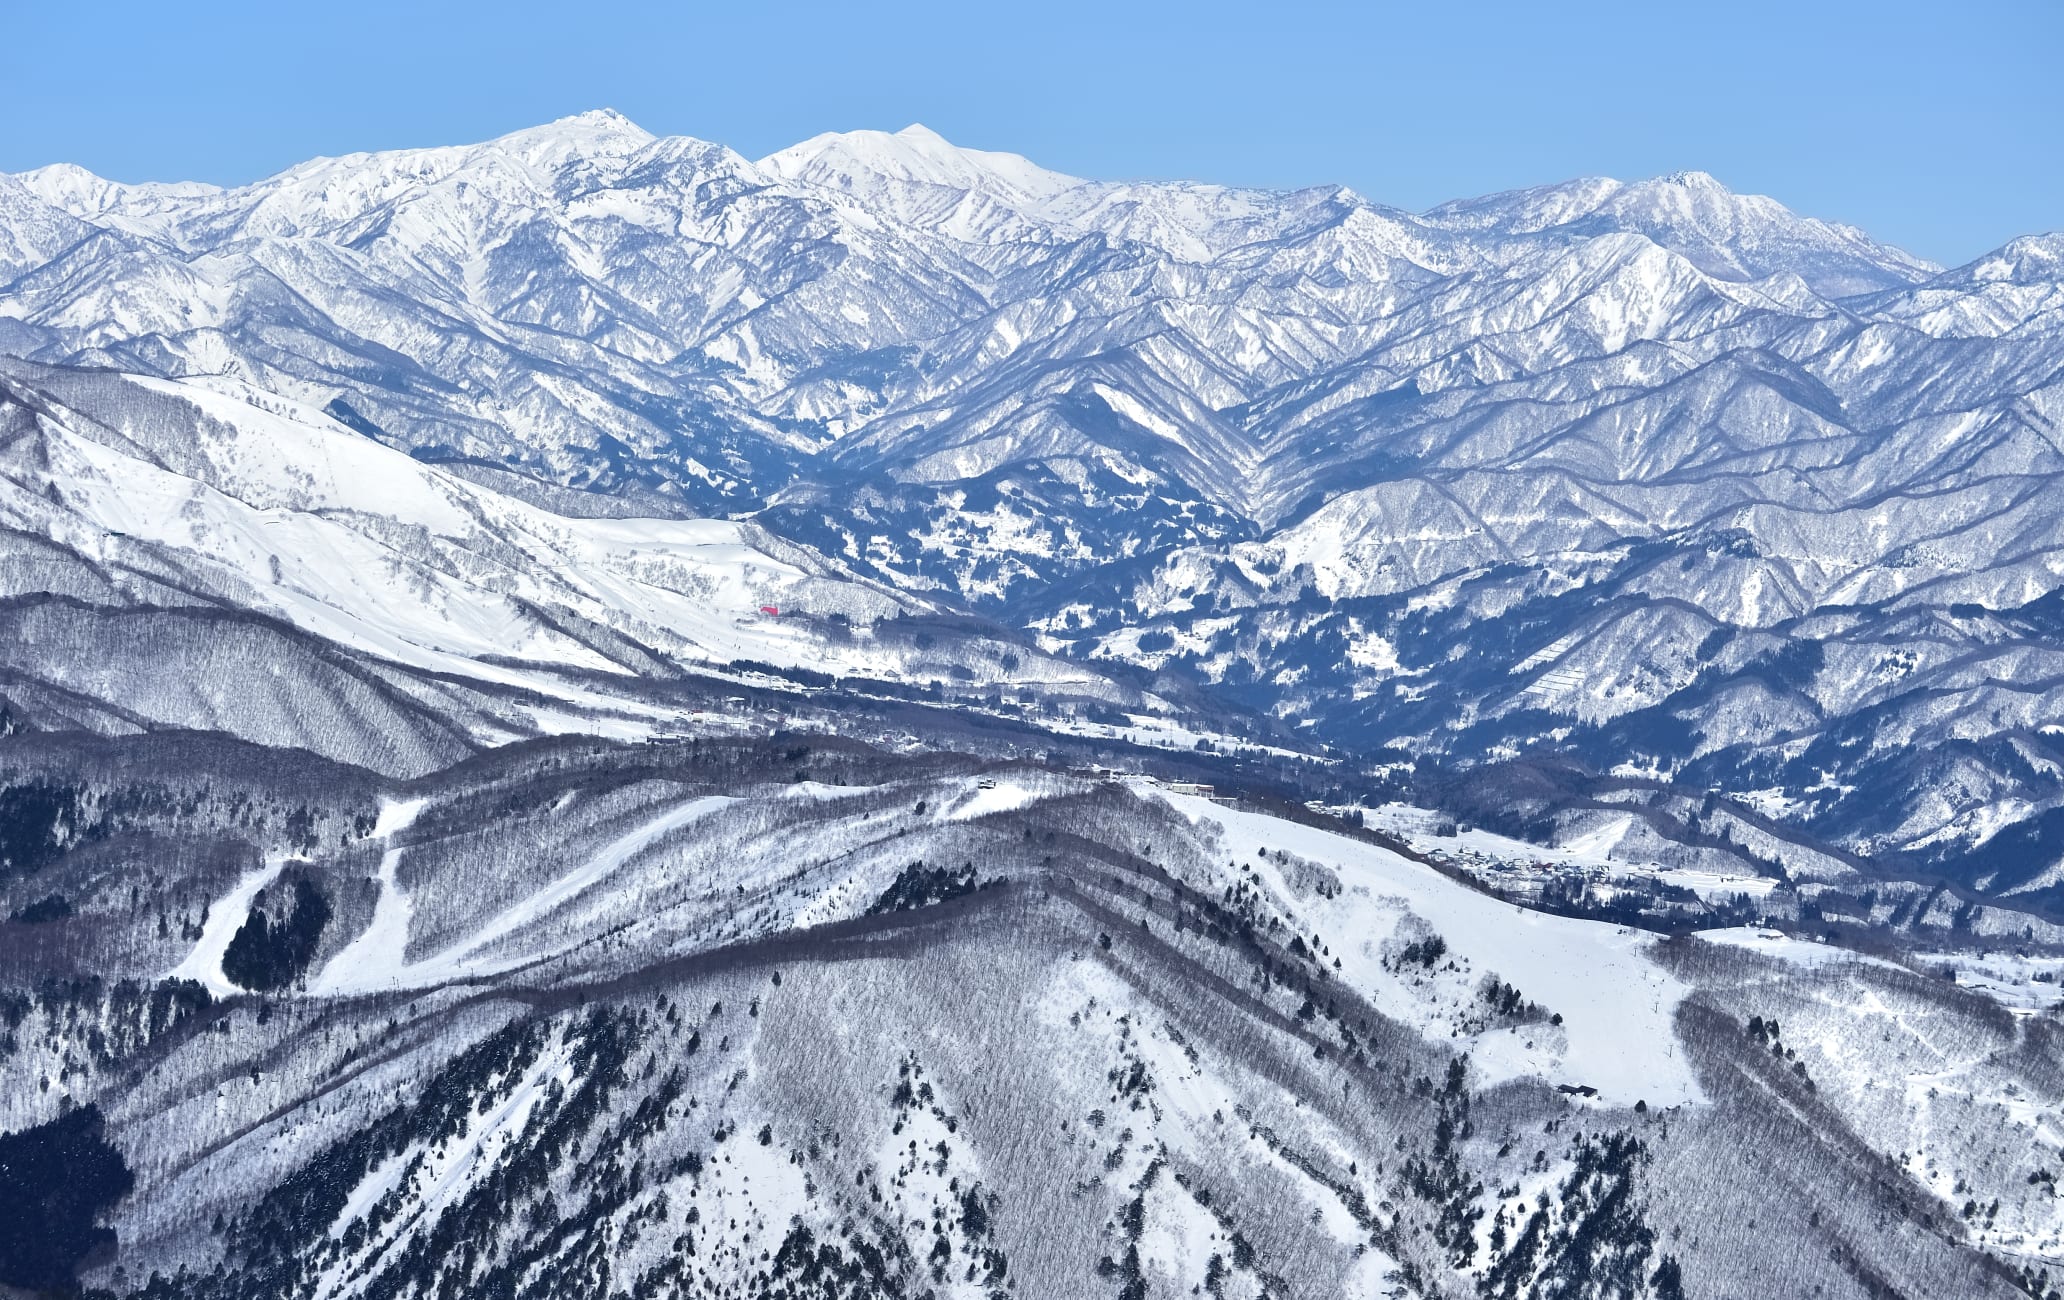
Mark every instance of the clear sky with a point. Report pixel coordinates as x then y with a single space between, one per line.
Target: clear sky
1938 126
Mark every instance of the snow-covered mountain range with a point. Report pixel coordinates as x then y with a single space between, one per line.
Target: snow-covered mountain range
1646 476
147 521
587 716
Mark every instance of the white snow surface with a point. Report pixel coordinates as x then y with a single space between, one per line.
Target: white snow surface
461 961
396 816
1784 947
226 915
286 491
369 961
1617 1005
377 959
1005 795
1598 850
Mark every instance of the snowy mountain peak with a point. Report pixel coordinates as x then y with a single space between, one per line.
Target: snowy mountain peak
2027 260
598 132
872 163
1730 236
591 123
1684 193
1695 180
71 188
599 118
440 480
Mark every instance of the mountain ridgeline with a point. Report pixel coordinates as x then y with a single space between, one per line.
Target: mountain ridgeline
1651 476
764 1017
587 716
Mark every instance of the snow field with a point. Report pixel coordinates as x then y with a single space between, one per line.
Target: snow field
1617 1006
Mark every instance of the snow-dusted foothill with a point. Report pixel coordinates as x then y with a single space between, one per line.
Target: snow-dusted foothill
798 1015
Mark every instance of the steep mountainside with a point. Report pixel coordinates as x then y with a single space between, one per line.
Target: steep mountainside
586 716
201 554
1644 474
752 1019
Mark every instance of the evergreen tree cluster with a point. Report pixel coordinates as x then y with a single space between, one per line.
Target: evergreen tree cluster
37 822
1442 1180
55 1179
264 955
1594 1242
918 886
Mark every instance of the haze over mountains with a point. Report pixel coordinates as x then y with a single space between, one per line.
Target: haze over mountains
470 616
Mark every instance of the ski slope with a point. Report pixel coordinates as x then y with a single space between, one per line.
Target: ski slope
377 959
1618 1007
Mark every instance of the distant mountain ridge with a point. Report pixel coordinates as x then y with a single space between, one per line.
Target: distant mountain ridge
1567 474
587 716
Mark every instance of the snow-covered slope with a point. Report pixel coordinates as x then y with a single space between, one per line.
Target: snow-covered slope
1556 473
619 1020
558 701
139 495
1731 236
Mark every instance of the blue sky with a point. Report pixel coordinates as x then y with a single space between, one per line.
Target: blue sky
1939 127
